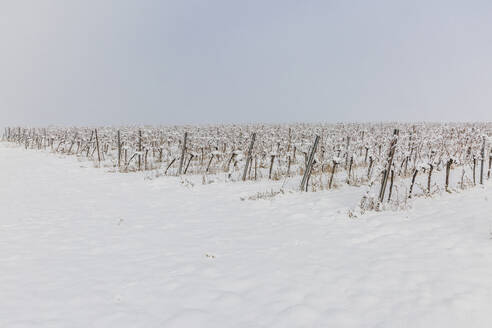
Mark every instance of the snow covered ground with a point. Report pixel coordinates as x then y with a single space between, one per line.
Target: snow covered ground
83 247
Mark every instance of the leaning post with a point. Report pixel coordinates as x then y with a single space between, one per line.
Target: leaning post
391 154
309 164
249 157
183 152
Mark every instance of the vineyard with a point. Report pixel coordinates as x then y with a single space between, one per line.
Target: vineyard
395 162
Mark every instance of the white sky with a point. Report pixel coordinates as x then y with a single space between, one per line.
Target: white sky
197 61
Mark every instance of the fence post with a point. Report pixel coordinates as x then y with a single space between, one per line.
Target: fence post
250 153
309 163
139 150
183 152
448 170
97 145
391 154
482 160
119 149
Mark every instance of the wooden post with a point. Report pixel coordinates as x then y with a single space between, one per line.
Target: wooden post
230 161
391 154
347 152
350 169
171 163
97 145
288 166
209 163
371 161
249 157
271 167
309 164
189 161
413 182
256 166
288 144
119 149
391 184
139 150
429 178
482 154
448 169
183 152
335 163
490 163
309 175
145 159
474 169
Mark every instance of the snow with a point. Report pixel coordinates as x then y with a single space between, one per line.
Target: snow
84 247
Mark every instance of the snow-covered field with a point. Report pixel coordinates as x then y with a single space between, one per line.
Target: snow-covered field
83 247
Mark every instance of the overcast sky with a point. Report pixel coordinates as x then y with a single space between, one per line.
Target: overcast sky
196 61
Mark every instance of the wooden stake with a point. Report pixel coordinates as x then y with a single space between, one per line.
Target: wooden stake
309 164
119 149
183 152
448 169
391 154
332 174
97 145
249 157
413 182
482 154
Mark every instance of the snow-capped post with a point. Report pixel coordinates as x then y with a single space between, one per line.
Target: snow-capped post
415 172
391 154
448 169
97 146
183 152
139 150
490 163
145 158
272 159
391 184
371 161
119 149
474 169
234 154
350 169
482 159
288 166
249 157
309 164
256 166
290 138
431 168
347 152
335 163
